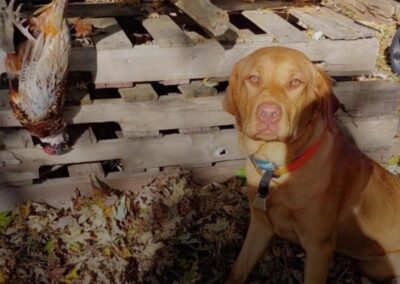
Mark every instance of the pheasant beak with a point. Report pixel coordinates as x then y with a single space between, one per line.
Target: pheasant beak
58 149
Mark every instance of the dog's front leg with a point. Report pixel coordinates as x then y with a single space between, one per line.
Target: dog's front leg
257 239
318 260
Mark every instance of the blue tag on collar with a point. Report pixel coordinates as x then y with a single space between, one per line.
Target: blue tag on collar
263 165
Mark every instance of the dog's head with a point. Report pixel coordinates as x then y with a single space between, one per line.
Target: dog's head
276 92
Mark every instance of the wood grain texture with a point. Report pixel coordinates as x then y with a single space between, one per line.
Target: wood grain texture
333 25
13 139
111 37
87 170
58 192
165 32
203 12
368 99
209 58
363 99
240 5
274 25
381 11
205 148
140 92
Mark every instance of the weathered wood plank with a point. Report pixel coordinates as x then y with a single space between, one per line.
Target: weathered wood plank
4 102
144 115
3 55
242 36
373 126
334 25
58 192
381 11
240 5
273 24
212 18
112 36
87 137
145 63
86 169
140 92
93 10
370 134
205 148
197 89
166 33
379 98
13 139
368 99
20 164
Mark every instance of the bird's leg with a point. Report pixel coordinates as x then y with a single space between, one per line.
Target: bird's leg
15 18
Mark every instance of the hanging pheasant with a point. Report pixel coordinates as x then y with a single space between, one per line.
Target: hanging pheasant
37 73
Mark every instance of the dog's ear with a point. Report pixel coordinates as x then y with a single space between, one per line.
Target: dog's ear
328 103
230 102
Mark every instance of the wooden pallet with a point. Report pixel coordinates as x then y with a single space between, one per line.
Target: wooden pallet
176 53
146 128
186 129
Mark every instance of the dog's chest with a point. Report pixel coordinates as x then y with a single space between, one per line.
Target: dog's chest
282 221
280 213
284 202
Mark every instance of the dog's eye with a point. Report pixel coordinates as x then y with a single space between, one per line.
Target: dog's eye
255 79
295 83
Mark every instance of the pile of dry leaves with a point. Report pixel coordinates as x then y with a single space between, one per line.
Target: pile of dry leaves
171 231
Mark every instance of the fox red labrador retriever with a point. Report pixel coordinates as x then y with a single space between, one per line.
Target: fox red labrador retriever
306 182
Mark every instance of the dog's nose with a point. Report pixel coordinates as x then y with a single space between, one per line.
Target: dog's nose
269 113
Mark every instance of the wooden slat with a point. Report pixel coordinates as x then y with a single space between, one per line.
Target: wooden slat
210 17
130 133
166 33
87 137
371 134
93 10
4 102
374 126
145 115
86 169
58 192
273 24
243 36
2 62
240 5
112 36
379 98
146 63
335 26
141 92
368 99
13 139
22 164
194 130
197 89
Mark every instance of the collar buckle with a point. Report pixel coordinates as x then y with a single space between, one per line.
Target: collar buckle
262 166
263 188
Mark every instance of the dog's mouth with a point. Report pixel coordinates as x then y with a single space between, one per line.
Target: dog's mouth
267 133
